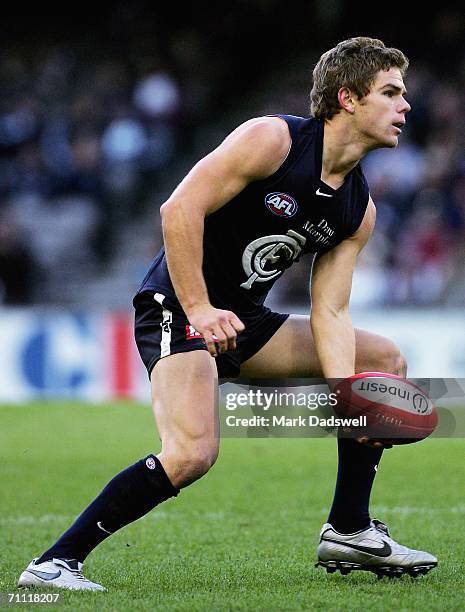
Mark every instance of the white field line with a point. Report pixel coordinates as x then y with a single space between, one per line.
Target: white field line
410 510
28 519
420 510
157 515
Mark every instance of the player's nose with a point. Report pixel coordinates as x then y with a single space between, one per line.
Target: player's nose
405 106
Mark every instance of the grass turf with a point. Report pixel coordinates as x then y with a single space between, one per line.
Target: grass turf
242 538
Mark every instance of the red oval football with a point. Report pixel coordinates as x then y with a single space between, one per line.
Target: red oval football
396 410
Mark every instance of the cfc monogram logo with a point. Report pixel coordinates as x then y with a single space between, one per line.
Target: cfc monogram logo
150 463
266 258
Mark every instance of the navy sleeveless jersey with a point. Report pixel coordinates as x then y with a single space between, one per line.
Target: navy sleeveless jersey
272 223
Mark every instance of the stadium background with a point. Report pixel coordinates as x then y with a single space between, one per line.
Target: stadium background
101 114
102 111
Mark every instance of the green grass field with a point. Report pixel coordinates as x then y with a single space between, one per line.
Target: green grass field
242 538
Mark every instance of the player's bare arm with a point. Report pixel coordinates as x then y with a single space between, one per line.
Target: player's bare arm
332 327
254 151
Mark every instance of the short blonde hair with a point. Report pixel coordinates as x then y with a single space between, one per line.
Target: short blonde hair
352 63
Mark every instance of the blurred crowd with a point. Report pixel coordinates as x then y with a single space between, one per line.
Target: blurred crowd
419 191
79 151
85 146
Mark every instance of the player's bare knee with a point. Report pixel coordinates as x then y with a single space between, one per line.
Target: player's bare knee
393 361
401 365
187 463
195 464
383 356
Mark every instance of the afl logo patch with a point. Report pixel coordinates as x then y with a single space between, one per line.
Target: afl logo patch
281 204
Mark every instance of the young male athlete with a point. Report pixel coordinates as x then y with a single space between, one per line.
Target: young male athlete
276 189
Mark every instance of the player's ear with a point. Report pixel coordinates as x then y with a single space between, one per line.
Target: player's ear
346 99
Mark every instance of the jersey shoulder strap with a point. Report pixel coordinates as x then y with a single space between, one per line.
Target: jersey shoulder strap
303 131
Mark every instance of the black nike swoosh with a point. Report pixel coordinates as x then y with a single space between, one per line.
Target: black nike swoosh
385 551
44 575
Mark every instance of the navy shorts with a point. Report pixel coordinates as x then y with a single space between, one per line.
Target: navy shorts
162 329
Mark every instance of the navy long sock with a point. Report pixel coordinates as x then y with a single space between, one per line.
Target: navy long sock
355 476
127 497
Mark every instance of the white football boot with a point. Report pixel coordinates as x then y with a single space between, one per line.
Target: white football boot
57 573
371 549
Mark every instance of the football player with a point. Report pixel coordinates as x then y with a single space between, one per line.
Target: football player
278 188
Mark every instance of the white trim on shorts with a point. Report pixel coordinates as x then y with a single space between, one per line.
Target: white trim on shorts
165 343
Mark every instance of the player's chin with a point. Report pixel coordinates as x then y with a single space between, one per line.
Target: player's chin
388 141
391 141
389 145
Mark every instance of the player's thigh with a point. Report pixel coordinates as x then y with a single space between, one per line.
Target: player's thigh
184 391
291 352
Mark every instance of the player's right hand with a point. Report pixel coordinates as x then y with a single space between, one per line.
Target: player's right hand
218 327
373 442
366 441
